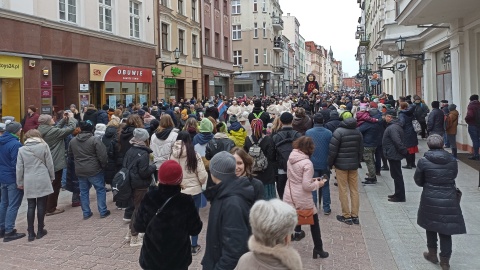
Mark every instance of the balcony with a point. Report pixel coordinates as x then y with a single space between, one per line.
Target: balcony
278 46
277 23
279 70
415 12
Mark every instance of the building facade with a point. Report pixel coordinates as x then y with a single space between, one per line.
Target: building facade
257 46
58 53
292 32
217 65
179 28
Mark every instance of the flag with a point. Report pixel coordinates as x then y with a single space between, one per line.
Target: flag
221 107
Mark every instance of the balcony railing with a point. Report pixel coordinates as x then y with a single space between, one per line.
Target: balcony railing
277 23
278 45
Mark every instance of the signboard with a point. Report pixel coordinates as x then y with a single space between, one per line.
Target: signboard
170 81
176 71
46 93
46 101
112 101
46 84
46 110
83 87
211 83
401 67
128 99
11 67
106 73
221 74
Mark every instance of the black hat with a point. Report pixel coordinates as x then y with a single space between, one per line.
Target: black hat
318 118
435 104
286 118
257 103
444 101
86 126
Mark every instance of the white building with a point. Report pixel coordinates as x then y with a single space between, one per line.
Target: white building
292 32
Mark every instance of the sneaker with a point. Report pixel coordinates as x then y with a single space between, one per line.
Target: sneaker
88 216
391 196
355 220
13 235
326 213
106 214
121 208
297 236
129 235
135 242
370 181
127 219
395 199
345 220
385 168
196 249
57 211
407 167
140 237
76 204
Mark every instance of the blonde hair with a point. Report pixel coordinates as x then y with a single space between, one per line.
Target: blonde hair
276 125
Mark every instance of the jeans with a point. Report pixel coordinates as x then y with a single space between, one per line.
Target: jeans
396 174
474 132
11 201
281 183
39 204
316 234
52 201
64 178
445 140
98 182
348 183
445 243
323 191
197 199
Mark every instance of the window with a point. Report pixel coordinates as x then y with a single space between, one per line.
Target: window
194 10
207 41
68 10
164 36
236 32
237 58
255 5
265 56
180 7
255 30
264 6
235 6
264 30
217 45
194 46
225 49
255 57
105 15
181 41
134 19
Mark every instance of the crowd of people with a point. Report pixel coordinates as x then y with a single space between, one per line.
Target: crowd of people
263 164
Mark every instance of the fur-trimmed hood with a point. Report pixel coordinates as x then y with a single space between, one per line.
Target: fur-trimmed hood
275 258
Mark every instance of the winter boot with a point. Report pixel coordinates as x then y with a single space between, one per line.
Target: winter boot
431 255
445 263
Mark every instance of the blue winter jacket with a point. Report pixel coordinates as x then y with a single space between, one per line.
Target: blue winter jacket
321 138
372 132
9 145
102 117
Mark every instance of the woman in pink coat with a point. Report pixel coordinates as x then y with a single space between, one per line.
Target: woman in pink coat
298 191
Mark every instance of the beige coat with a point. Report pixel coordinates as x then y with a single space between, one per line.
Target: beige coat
192 181
35 169
262 257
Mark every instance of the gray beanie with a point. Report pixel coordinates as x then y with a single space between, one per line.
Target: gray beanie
13 127
452 107
140 134
223 166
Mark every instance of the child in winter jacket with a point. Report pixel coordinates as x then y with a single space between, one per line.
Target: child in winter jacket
236 132
364 116
100 130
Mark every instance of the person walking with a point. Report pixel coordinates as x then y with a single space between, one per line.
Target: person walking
406 117
298 191
370 133
435 124
11 195
258 113
137 159
35 173
244 170
228 226
451 124
473 120
439 212
30 121
272 222
167 217
301 121
421 111
90 157
321 138
345 153
194 174
54 136
395 150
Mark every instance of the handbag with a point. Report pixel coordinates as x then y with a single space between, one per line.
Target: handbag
304 216
416 126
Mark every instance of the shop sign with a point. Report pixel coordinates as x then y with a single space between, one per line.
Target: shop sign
221 74
170 81
212 83
106 73
46 93
46 84
11 67
242 76
176 71
401 67
83 87
46 110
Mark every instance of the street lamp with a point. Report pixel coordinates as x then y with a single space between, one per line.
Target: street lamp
176 54
401 50
379 65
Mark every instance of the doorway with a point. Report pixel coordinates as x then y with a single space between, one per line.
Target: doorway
58 98
195 89
181 89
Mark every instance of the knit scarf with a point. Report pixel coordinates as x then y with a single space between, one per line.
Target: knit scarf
202 138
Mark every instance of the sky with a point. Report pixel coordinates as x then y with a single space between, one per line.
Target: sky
329 23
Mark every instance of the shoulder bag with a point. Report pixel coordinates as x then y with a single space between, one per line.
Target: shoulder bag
305 216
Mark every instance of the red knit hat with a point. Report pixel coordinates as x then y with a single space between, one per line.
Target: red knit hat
373 105
170 173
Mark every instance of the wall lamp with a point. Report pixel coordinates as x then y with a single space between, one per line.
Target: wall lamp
379 64
176 54
401 50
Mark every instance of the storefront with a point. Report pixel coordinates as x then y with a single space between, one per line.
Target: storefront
11 80
115 85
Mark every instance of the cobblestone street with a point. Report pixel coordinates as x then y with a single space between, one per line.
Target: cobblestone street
388 237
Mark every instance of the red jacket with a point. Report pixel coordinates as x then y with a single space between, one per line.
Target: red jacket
472 113
30 122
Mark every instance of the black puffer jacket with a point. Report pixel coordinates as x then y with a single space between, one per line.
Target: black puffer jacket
102 117
141 170
435 122
333 122
265 117
406 117
439 209
124 144
228 225
302 124
110 142
166 244
346 146
268 148
219 143
392 141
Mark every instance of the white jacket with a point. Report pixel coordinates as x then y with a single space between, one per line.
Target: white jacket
162 148
192 181
234 110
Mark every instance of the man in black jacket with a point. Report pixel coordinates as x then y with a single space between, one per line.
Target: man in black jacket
395 150
228 222
435 124
345 153
370 132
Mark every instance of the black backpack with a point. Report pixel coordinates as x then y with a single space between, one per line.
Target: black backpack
284 148
121 186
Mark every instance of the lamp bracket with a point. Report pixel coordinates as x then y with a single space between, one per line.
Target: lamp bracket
166 64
